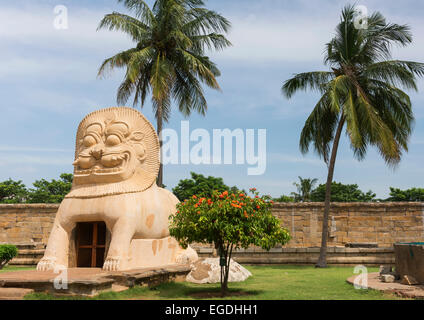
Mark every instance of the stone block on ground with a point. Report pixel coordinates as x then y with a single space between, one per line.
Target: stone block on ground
14 293
388 278
209 271
409 280
385 270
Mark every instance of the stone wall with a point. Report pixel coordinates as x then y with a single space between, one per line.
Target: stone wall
26 223
379 223
307 256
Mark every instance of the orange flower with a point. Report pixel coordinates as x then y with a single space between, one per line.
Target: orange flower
258 207
225 193
246 215
196 205
198 212
194 196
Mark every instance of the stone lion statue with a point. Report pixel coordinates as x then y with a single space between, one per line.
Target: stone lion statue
116 164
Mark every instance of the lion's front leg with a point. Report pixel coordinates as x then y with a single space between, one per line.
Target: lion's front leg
56 253
122 234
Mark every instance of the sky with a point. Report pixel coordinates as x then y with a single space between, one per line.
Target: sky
48 83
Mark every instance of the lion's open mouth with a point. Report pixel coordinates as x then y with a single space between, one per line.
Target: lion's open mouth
109 164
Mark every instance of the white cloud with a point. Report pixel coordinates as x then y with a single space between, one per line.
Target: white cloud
300 35
34 26
13 159
281 158
32 149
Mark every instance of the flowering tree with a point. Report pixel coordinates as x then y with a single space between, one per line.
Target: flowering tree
228 221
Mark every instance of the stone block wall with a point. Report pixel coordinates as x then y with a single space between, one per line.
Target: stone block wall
26 223
379 223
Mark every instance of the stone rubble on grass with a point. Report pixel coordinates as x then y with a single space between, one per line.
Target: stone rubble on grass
385 270
388 278
409 280
209 271
387 274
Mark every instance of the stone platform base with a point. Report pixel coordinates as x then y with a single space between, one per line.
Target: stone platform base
89 281
14 293
402 290
336 256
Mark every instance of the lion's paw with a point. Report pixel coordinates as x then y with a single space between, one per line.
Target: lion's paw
46 264
112 264
187 256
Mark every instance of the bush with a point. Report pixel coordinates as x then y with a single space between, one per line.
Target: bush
229 221
200 185
412 195
7 253
13 191
51 191
284 198
342 193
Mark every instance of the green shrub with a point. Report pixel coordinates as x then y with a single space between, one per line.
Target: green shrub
228 221
412 195
50 191
13 191
342 193
7 253
284 198
200 185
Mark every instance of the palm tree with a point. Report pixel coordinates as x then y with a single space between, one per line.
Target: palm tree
360 93
304 189
169 57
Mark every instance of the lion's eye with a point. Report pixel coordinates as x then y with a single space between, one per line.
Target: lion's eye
89 141
113 140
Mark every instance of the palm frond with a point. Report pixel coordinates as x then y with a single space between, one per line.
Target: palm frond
141 9
396 72
121 22
304 81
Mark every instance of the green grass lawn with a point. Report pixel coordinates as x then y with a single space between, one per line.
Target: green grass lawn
267 282
12 268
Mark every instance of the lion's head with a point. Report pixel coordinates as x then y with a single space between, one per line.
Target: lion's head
117 151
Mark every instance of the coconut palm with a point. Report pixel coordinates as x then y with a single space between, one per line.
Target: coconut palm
361 93
304 189
169 58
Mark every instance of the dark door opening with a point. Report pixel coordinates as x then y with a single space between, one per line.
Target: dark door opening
91 243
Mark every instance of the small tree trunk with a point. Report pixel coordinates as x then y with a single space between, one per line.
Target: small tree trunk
225 270
159 120
322 261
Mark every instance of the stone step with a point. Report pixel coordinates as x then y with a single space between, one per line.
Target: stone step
88 281
17 262
30 252
14 293
30 245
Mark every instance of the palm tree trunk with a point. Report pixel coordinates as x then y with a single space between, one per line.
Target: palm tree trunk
322 261
159 120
